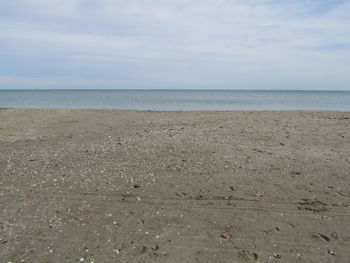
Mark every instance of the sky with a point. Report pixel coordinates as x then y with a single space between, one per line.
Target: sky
175 44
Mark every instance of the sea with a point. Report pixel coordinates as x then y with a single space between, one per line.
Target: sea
177 100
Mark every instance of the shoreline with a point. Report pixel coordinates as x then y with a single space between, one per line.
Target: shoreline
174 186
175 111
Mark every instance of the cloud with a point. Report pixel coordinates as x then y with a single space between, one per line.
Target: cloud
172 43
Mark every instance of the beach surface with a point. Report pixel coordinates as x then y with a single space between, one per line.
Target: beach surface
140 186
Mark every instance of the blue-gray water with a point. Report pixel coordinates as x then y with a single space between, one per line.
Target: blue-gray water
177 99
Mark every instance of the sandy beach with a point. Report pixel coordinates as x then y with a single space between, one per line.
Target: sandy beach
141 186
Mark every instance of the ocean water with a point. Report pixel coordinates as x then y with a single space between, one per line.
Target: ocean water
177 99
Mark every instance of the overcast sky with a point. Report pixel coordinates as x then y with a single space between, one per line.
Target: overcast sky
183 44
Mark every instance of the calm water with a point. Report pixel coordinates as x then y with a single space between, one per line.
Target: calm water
177 99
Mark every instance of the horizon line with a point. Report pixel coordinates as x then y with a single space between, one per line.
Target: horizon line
158 89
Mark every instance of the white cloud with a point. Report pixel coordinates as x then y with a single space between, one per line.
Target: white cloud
210 38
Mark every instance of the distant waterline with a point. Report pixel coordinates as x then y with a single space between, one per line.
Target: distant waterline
177 99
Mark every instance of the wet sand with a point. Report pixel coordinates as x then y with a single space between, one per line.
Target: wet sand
128 186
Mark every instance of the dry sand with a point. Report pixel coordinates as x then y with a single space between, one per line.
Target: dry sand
128 186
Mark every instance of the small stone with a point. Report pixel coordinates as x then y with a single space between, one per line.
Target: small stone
276 256
226 236
331 252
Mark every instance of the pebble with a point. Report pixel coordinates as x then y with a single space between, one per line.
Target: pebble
226 236
276 256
